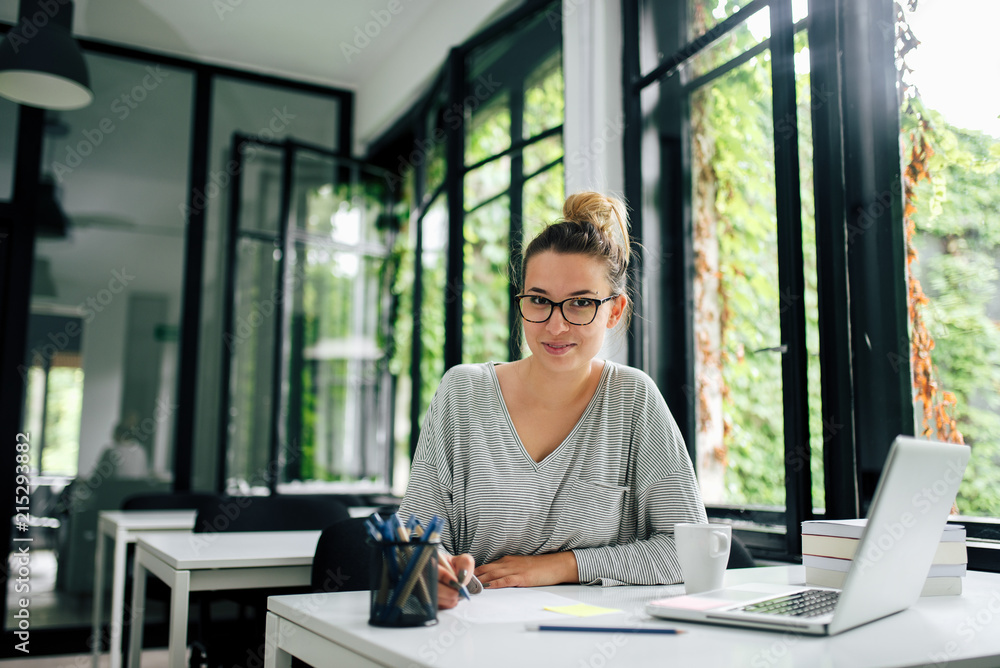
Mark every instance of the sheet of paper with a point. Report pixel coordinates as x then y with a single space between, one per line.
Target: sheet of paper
511 605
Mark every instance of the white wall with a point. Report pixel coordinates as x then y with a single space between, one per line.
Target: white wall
595 120
103 349
399 82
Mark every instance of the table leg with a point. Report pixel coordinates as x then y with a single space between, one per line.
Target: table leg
274 656
96 617
118 598
180 592
138 612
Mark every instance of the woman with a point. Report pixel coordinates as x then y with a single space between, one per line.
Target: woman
559 467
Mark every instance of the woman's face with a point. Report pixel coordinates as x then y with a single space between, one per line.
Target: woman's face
555 343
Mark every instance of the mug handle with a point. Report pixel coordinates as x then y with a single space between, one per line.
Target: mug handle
721 543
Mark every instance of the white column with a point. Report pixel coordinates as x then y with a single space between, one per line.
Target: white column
594 126
595 121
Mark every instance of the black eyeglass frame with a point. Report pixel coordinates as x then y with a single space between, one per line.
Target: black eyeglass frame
553 305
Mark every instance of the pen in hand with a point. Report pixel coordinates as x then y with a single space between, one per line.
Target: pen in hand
456 580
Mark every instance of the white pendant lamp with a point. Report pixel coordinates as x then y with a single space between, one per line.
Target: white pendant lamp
40 63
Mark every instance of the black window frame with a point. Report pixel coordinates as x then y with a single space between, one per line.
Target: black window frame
864 340
17 242
421 126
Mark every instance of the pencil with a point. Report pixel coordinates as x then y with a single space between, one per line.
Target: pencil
602 629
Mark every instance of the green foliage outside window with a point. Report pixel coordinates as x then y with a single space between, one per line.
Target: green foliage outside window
958 242
734 204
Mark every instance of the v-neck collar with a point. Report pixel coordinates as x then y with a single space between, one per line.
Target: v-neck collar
562 446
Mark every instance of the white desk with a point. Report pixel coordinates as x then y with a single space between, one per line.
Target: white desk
332 629
214 562
123 527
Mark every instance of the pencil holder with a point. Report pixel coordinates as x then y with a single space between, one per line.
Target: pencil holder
404 579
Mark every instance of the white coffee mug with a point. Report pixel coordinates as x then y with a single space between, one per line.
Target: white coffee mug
703 552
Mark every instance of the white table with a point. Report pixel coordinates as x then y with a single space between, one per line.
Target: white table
332 629
214 562
123 527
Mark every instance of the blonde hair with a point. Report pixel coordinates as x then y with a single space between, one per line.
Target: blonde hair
589 226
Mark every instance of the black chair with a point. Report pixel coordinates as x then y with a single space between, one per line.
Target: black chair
172 501
285 512
739 555
282 512
343 557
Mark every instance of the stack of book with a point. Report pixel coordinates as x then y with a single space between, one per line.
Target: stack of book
828 546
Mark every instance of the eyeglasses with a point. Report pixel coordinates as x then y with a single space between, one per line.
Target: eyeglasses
575 310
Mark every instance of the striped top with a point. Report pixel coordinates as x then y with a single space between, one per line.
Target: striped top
611 492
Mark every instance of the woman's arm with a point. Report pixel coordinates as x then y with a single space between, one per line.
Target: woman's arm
649 561
652 560
536 570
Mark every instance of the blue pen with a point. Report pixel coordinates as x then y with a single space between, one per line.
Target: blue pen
373 530
603 629
462 589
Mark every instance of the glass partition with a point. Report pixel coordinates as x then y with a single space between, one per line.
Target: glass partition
309 394
102 355
269 114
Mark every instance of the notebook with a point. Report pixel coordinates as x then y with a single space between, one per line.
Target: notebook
908 513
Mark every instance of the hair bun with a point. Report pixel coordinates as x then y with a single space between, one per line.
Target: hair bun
607 214
594 208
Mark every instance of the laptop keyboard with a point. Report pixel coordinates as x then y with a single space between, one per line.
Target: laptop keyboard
808 603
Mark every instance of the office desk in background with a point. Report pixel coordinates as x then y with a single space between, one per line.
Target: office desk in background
214 562
123 527
332 629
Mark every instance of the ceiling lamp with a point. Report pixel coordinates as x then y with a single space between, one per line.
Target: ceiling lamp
40 62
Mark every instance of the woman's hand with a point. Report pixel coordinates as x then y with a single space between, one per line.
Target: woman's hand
529 571
448 568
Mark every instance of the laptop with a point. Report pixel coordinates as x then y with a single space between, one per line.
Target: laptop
908 513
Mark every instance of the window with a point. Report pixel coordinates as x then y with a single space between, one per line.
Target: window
54 395
951 140
101 359
734 197
471 210
307 396
790 300
270 115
